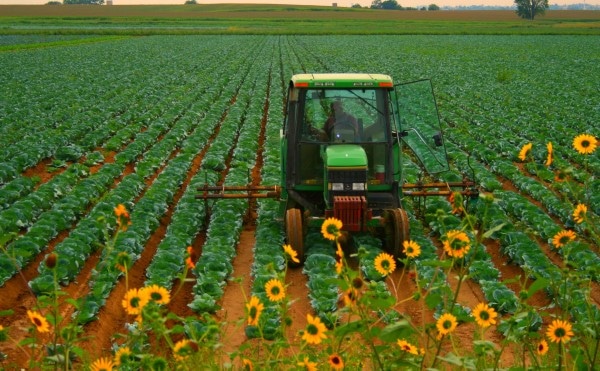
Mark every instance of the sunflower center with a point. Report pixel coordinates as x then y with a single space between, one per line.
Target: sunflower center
560 332
312 329
135 302
447 324
252 312
335 360
484 315
457 245
585 143
37 322
156 296
385 264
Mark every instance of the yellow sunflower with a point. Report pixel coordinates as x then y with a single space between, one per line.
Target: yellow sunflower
350 297
524 151
579 213
275 290
550 154
560 331
358 283
485 315
122 356
123 261
411 249
122 217
121 211
407 347
336 362
542 347
306 364
191 258
40 322
254 308
247 364
585 144
561 176
331 228
339 252
157 294
456 243
183 349
456 200
339 266
563 237
102 364
315 330
134 301
446 324
291 253
385 264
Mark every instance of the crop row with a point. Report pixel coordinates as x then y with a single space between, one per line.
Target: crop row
158 113
152 206
215 263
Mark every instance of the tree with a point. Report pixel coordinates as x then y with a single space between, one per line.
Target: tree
433 7
85 2
528 9
386 4
357 6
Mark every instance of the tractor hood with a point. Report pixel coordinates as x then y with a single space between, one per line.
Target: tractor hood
345 156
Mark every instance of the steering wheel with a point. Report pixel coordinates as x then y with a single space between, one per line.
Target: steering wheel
343 124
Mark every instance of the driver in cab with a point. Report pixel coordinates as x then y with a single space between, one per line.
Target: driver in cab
340 125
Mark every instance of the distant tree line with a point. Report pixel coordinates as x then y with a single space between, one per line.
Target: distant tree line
393 5
76 2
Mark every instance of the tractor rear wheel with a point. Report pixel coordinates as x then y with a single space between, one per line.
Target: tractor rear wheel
396 231
294 233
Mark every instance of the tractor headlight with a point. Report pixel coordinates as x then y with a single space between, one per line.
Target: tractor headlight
358 186
337 186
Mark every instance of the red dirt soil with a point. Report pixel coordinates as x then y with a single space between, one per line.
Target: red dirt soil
112 318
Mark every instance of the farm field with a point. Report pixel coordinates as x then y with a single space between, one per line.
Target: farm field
283 20
144 121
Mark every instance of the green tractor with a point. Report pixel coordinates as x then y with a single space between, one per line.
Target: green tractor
342 146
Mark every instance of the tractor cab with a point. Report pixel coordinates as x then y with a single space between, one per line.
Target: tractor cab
341 147
338 139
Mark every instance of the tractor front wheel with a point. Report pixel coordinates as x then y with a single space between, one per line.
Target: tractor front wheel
294 233
396 231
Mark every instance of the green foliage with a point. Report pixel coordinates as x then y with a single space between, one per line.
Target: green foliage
83 2
386 4
529 9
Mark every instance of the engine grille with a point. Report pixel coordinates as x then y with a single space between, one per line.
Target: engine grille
348 176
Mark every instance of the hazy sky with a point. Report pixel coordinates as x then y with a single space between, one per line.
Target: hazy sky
342 3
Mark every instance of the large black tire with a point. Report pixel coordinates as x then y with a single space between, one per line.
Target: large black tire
396 231
294 233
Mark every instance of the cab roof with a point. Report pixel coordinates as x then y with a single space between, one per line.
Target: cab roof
341 80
